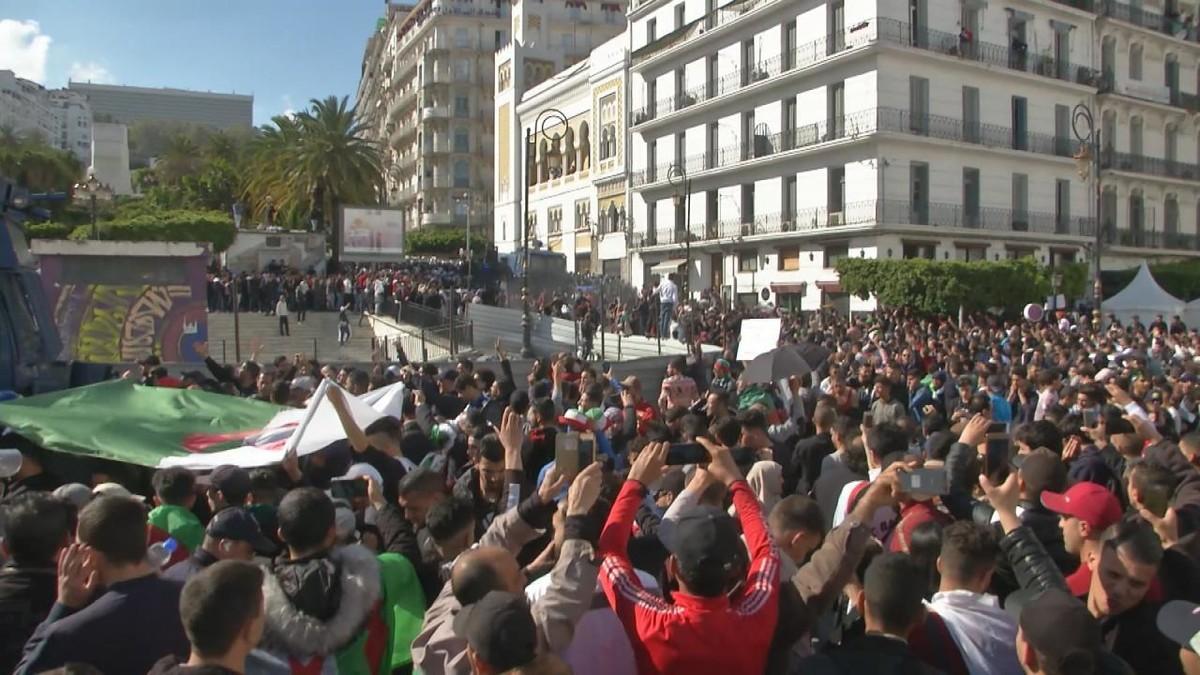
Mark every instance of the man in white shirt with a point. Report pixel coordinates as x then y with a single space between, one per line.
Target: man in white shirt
668 297
281 311
379 286
984 633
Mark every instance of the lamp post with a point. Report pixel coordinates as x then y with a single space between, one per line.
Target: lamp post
89 192
677 177
1055 284
465 198
547 119
1087 161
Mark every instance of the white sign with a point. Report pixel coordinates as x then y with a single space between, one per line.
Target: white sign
759 336
372 233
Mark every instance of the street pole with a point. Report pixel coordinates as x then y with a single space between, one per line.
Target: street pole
677 177
237 327
540 125
95 230
1083 125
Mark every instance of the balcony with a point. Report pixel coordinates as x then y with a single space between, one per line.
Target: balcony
434 113
881 30
1148 91
874 212
718 17
1172 241
855 125
1171 25
1152 166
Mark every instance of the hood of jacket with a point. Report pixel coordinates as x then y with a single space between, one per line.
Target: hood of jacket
339 590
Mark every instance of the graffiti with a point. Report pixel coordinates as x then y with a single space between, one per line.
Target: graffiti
126 322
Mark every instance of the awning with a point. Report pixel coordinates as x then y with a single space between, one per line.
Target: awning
788 288
830 286
668 266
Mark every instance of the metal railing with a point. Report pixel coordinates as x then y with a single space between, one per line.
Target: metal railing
1168 24
1153 239
420 315
1154 166
869 212
424 344
1177 98
856 124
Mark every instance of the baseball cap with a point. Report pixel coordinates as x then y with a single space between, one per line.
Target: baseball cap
1060 628
151 360
706 541
114 490
74 493
499 627
234 481
1087 501
1180 621
631 382
237 524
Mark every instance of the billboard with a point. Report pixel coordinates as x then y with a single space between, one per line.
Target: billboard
372 233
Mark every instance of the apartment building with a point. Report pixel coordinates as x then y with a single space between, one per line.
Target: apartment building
120 104
61 118
432 87
769 139
577 176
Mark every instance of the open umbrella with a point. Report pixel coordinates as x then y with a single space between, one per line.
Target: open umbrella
813 354
778 364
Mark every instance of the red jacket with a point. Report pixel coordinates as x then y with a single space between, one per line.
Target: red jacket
695 635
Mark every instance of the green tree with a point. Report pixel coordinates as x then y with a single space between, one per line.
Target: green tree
32 163
180 158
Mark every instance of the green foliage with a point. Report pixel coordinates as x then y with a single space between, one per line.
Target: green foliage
1181 279
47 230
931 287
212 227
34 164
430 241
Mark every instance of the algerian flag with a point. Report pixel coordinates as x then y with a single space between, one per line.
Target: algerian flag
131 423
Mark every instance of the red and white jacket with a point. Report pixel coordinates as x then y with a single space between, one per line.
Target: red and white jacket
694 635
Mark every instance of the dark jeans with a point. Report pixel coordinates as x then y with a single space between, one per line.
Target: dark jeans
283 326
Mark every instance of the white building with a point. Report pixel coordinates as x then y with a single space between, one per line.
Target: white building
428 91
577 180
62 118
110 157
812 131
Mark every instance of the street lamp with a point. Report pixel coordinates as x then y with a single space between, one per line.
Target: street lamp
1055 284
547 119
677 177
465 199
1087 161
89 192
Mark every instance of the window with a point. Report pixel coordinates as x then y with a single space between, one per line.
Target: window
789 259
531 233
714 139
1135 62
568 41
462 38
608 126
462 140
970 181
462 70
462 174
837 27
748 63
1171 216
748 261
554 220
712 76
972 253
836 113
789 45
789 123
789 199
748 203
583 216
918 104
1020 123
1062 206
681 97
1018 252
747 134
651 30
913 250
834 253
679 10
651 160
680 147
462 106
836 193
1135 135
970 112
651 97
1020 202
1171 141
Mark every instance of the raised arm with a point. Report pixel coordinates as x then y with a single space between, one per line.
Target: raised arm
354 433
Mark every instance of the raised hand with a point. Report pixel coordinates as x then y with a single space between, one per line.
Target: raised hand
512 437
77 580
585 490
648 466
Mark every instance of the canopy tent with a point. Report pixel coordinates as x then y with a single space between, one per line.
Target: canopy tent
1191 314
667 266
1143 297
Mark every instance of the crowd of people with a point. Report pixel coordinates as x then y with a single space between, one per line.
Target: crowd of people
934 496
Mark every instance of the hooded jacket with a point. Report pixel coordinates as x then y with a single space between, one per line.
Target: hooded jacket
323 607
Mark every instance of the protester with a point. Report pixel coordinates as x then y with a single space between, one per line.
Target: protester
232 534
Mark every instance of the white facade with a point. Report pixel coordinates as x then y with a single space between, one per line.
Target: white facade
61 117
577 178
429 91
812 131
110 157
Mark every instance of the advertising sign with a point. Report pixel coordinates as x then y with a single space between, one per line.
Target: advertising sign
371 233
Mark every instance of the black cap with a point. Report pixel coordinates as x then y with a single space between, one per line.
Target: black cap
151 360
1059 627
1180 621
499 627
194 375
233 481
706 541
237 524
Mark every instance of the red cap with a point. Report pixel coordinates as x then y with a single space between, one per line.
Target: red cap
1089 502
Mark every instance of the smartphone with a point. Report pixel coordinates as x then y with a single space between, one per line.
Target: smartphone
997 428
686 453
566 453
996 456
348 488
743 456
1090 419
868 420
924 481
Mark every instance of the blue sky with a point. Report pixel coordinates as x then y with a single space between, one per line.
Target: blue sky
284 53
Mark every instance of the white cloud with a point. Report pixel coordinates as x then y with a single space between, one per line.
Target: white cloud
23 49
90 72
289 109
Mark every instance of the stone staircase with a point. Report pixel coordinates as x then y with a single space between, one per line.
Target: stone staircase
315 338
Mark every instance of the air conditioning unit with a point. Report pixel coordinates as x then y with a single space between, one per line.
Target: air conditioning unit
836 219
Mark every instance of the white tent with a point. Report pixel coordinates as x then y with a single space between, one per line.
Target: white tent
1144 297
1191 314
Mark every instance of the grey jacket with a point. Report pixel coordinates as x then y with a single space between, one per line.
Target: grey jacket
437 650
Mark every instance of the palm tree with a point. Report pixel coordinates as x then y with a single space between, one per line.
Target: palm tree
27 159
313 163
181 158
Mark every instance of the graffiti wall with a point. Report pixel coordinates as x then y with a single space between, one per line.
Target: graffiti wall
120 309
